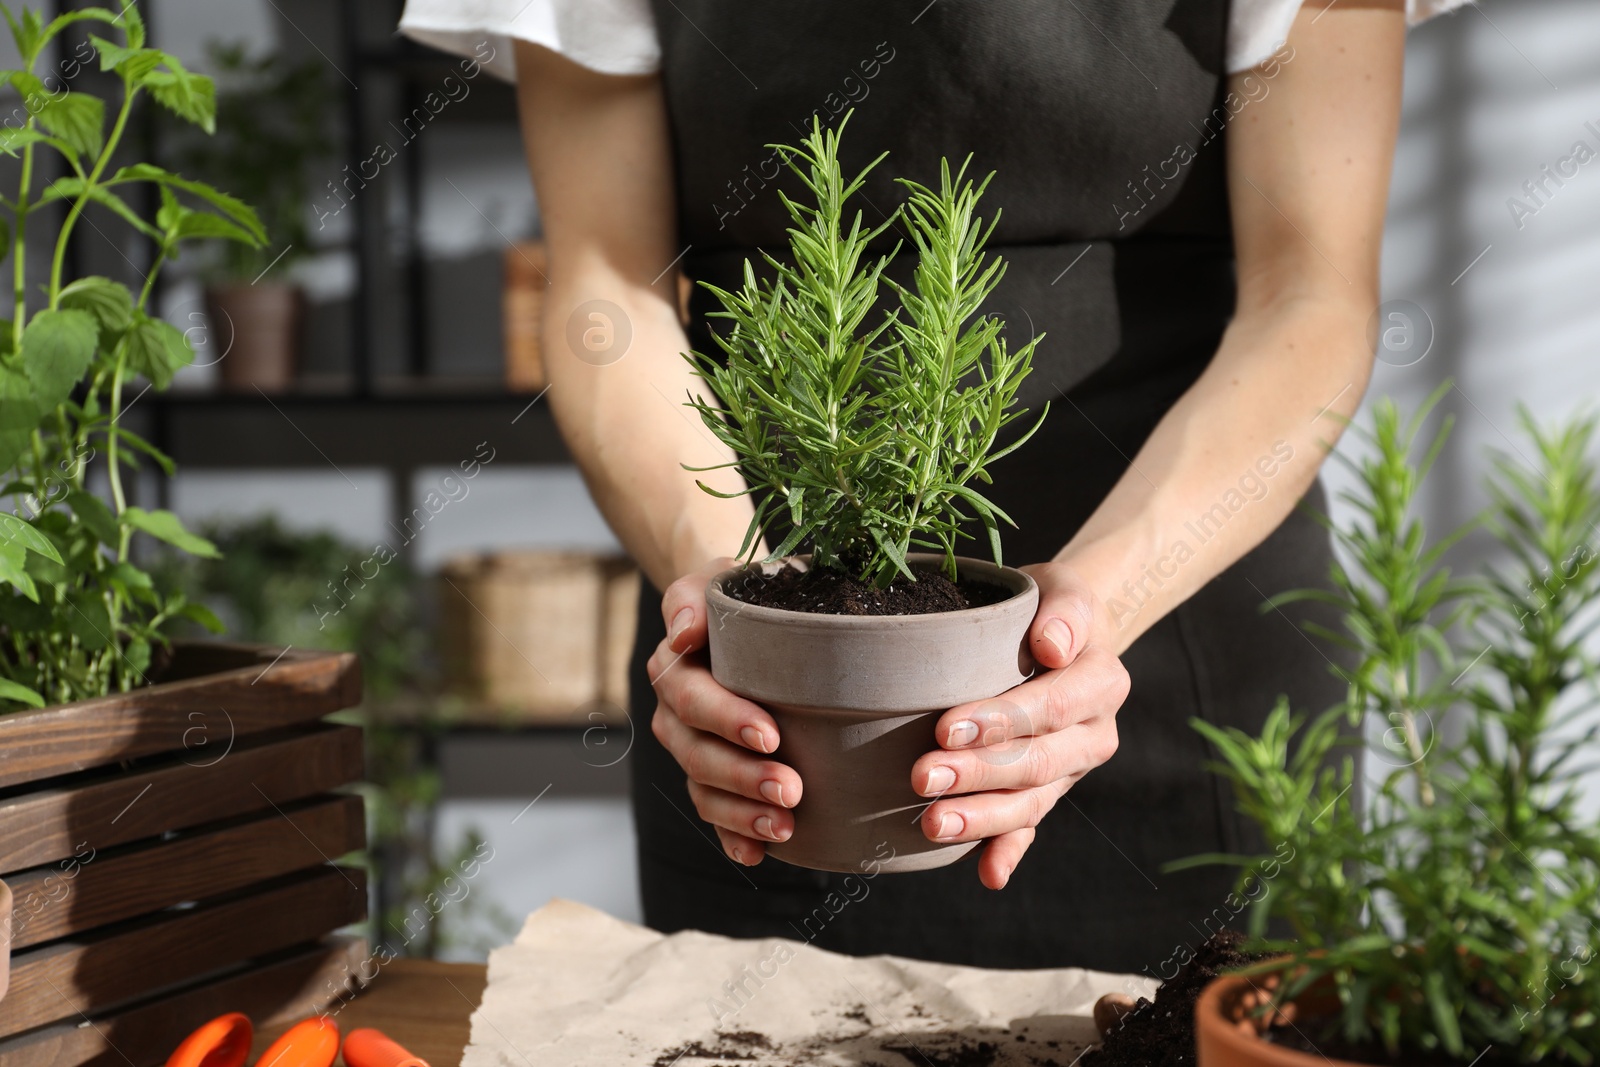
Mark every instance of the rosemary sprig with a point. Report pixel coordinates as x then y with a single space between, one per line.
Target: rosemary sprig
866 431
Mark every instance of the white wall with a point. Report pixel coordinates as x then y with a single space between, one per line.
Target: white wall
1492 95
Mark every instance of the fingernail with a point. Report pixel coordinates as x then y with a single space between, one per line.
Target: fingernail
763 826
1005 877
773 791
950 825
754 738
738 855
1056 632
963 733
680 623
939 780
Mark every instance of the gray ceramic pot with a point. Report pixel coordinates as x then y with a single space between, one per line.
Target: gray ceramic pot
856 699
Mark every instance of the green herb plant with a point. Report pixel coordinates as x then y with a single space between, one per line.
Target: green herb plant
1457 917
273 123
78 618
866 432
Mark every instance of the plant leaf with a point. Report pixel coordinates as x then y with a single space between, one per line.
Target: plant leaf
93 513
168 527
157 350
57 347
10 690
16 530
19 415
108 301
78 119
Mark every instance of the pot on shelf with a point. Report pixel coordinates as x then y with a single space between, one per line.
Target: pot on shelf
1226 1034
856 699
258 328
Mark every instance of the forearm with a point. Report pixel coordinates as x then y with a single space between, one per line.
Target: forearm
1227 463
627 428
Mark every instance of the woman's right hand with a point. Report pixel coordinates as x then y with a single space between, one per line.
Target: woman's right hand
719 739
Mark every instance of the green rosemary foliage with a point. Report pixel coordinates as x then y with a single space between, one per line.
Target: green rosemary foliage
1458 916
866 431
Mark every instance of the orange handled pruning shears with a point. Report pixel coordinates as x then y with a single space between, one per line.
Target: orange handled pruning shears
311 1043
373 1048
222 1042
225 1042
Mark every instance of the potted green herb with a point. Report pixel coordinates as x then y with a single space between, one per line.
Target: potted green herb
865 435
272 125
112 736
1454 920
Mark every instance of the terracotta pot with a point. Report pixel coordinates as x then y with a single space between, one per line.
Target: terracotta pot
856 699
257 328
1227 1036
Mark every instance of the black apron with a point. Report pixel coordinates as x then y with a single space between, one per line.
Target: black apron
1101 120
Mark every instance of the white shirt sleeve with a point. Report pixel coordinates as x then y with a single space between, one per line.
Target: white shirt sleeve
1258 28
609 36
619 36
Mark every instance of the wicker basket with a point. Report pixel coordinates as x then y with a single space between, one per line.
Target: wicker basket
544 635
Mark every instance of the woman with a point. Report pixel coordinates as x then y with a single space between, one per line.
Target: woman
1191 215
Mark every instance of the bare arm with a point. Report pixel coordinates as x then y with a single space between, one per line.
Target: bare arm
598 150
1308 166
1309 172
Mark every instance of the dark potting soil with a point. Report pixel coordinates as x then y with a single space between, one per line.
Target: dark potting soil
830 592
1161 1033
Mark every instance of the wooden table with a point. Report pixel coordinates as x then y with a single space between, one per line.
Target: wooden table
422 1004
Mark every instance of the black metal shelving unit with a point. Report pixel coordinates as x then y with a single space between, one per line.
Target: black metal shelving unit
400 415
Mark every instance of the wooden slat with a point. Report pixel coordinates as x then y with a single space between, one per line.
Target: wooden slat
105 810
223 692
279 989
76 977
116 884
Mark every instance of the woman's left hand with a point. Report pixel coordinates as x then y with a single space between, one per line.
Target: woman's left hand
1013 756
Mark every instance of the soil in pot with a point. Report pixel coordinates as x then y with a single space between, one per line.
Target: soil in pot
830 592
1161 1033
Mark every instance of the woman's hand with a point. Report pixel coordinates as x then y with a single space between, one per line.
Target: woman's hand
718 738
1017 754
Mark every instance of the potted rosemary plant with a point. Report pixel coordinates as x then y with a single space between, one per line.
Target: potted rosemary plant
114 740
1453 921
864 435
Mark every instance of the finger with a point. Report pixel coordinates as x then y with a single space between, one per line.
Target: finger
1001 856
1094 685
1064 619
1000 811
739 848
683 605
1020 763
712 761
684 683
760 822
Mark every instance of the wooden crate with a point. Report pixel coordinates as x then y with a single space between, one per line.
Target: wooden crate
171 855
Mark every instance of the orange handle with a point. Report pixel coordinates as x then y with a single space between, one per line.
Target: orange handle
374 1048
313 1042
222 1042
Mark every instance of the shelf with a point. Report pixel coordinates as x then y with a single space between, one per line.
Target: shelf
399 431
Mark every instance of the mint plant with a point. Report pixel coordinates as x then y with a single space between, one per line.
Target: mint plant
866 431
1457 917
78 617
